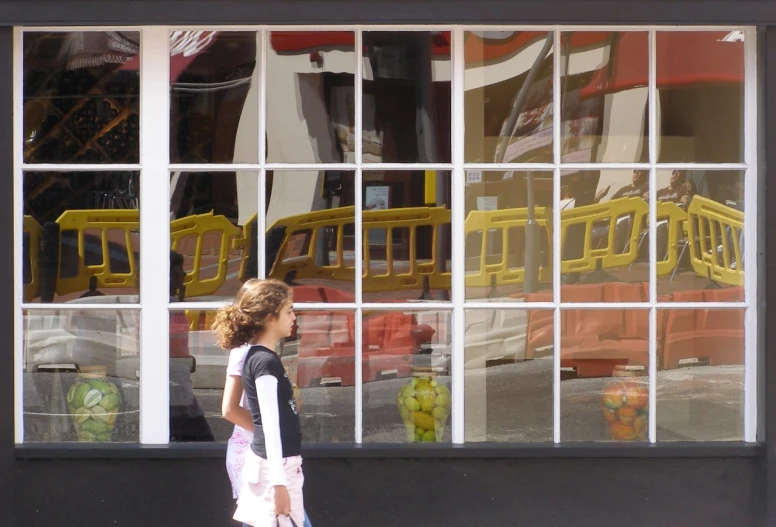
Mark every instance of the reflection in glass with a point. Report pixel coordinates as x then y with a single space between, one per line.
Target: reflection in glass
508 235
406 97
81 236
605 252
508 96
406 373
508 379
604 375
310 233
311 97
213 234
81 375
214 109
407 236
320 358
81 97
700 382
700 236
604 92
700 96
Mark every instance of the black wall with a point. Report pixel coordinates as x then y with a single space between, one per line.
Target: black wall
641 491
645 492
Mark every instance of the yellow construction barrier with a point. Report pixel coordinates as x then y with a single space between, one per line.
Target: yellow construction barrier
243 244
405 271
314 247
676 223
32 234
116 226
494 269
604 216
714 234
200 227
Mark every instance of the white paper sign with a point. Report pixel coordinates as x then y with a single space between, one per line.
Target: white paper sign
487 203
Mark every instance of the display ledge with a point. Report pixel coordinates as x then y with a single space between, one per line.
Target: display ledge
210 12
420 451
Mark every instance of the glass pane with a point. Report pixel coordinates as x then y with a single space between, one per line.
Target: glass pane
509 235
81 236
214 97
81 376
604 94
406 97
604 375
406 373
213 234
508 379
407 236
700 96
605 249
700 236
311 97
508 96
310 233
700 379
320 358
198 367
81 97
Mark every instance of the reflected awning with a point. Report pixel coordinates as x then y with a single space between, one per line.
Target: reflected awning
683 59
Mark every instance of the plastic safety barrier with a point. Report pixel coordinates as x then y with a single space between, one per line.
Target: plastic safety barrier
674 218
212 238
314 247
31 266
627 214
715 235
499 229
113 265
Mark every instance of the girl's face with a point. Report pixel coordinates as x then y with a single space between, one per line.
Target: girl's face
284 323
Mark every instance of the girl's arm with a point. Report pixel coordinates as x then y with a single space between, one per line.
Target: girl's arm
230 404
267 394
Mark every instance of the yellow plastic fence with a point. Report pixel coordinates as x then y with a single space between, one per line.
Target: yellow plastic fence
400 227
116 226
675 221
493 267
243 244
715 232
605 216
212 236
116 230
32 232
302 252
314 247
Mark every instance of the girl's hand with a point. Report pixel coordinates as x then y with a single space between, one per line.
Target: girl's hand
282 501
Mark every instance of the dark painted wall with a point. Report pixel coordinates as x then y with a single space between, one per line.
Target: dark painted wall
646 492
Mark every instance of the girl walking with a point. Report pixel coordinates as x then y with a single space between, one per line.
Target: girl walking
271 476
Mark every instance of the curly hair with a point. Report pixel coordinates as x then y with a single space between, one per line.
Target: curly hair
246 318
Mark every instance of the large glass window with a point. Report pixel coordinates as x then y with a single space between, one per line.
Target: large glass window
505 236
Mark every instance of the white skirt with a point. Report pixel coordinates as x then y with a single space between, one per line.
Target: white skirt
256 504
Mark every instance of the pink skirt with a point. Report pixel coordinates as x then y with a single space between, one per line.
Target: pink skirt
256 505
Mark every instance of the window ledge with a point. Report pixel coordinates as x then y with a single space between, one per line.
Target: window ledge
395 451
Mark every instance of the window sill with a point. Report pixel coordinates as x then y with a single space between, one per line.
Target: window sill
391 451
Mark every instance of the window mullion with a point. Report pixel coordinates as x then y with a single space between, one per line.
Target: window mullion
358 237
652 229
457 250
556 232
154 236
261 222
750 223
18 205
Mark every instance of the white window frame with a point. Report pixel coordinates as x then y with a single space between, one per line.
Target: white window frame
155 166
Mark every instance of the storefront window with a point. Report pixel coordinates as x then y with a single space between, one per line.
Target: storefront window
492 236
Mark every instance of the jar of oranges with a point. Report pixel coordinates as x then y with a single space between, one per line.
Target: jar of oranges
625 406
